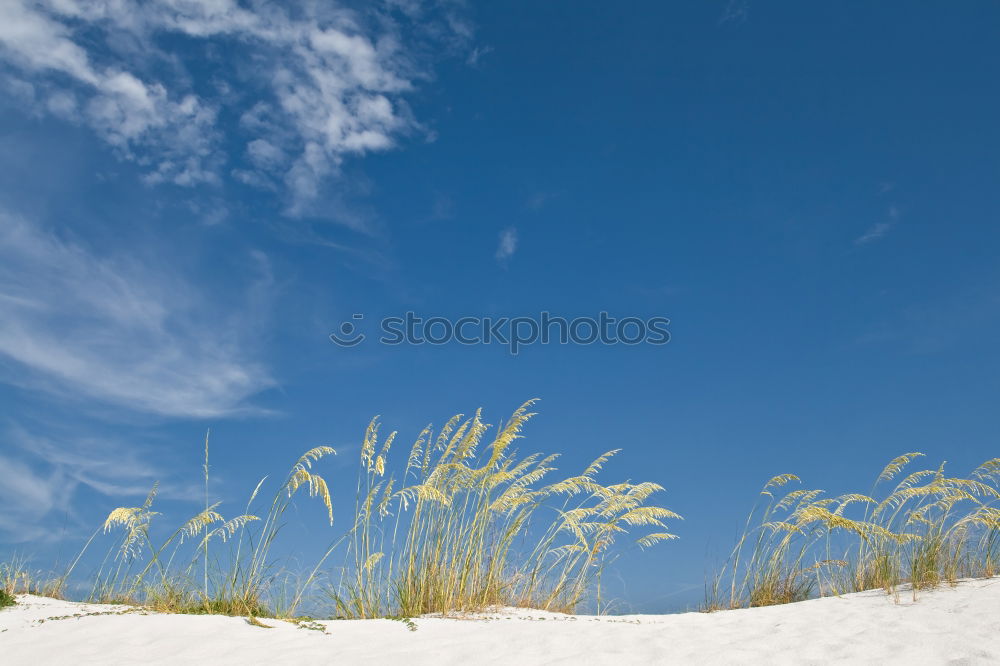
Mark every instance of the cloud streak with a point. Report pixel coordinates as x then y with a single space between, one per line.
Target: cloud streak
878 230
40 476
507 245
120 330
874 232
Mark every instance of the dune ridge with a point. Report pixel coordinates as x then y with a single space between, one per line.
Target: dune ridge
952 624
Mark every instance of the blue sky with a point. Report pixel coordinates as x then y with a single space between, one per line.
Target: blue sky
194 195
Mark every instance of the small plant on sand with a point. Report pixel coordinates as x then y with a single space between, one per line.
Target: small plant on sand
924 530
17 578
14 579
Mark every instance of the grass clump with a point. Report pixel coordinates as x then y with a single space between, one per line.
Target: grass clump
918 528
6 598
17 578
164 576
469 524
466 523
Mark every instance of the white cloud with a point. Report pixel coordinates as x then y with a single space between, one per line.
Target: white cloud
125 111
27 497
264 154
41 475
316 82
736 11
121 330
477 54
880 229
875 232
507 245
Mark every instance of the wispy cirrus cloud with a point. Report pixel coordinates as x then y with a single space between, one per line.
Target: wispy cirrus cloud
311 83
28 496
41 475
122 329
879 229
507 245
873 233
735 11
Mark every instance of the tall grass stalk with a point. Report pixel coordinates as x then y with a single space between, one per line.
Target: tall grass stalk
205 527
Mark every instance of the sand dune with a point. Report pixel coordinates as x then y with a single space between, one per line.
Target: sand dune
950 625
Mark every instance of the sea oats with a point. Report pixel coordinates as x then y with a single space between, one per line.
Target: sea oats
778 481
450 544
233 525
989 469
478 525
199 522
930 528
896 465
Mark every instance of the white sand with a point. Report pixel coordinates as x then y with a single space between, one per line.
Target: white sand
959 625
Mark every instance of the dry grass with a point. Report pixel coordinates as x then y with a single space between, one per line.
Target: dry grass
8 585
466 523
17 578
917 528
476 526
163 575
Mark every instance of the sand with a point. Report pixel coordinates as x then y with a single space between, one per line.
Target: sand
950 625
